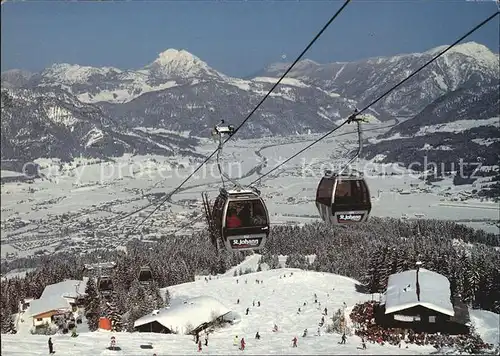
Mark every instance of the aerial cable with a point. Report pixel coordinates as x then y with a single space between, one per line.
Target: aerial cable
291 66
477 27
199 217
154 202
169 195
192 221
353 116
339 126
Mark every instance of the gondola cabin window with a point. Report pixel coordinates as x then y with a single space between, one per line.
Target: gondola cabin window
325 190
245 214
350 192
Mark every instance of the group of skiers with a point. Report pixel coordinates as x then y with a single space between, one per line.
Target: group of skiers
198 341
241 342
258 281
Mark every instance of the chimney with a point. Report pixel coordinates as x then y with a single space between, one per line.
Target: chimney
418 284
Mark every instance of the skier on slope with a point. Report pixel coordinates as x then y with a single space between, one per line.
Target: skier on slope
294 340
199 346
242 344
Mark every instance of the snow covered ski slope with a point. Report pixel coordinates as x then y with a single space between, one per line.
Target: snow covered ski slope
281 292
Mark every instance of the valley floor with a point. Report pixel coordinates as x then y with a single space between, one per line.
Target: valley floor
79 207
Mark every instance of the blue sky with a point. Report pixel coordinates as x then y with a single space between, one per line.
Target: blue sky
235 37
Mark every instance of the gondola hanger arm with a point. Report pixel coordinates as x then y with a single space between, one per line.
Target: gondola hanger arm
358 119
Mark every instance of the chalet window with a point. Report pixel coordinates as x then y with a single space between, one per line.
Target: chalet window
39 319
432 319
405 318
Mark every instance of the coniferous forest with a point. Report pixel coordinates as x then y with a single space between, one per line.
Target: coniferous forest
368 252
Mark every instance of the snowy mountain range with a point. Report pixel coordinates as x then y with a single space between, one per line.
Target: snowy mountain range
180 92
463 124
55 124
465 65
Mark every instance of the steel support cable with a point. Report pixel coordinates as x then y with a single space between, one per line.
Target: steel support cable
191 222
336 128
154 202
169 195
477 27
474 29
318 35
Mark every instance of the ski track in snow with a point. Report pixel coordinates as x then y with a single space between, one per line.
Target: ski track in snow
280 294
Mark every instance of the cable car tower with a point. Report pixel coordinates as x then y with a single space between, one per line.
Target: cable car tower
238 219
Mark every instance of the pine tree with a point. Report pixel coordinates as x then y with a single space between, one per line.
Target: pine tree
275 262
7 322
383 268
401 261
155 295
167 298
372 276
468 287
222 265
113 314
293 261
139 304
92 305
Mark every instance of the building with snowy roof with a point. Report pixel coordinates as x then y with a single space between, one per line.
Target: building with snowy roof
189 317
56 299
420 299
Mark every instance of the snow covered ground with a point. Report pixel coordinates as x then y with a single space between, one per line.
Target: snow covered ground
34 216
281 293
